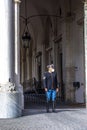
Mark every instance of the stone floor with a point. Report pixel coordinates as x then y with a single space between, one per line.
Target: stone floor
65 118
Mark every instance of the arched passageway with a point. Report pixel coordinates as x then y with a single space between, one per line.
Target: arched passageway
56 30
57 33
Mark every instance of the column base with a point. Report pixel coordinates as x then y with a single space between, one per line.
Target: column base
10 104
70 94
20 90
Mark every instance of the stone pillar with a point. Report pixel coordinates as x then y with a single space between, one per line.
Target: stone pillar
17 52
30 66
85 45
33 63
22 75
69 76
27 63
9 96
43 58
17 43
24 64
6 41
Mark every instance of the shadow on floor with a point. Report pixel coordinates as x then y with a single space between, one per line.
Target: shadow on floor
34 109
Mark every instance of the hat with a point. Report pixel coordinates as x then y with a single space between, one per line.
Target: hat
50 66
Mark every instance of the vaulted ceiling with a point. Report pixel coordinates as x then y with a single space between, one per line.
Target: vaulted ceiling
37 24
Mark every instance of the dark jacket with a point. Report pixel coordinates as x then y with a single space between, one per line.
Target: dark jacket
50 80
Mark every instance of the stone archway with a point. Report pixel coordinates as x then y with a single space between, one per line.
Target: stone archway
68 29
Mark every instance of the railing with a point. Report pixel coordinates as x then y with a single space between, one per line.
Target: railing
34 93
35 98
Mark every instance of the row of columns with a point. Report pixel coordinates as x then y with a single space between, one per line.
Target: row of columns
69 70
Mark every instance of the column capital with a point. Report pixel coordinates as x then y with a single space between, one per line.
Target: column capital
17 1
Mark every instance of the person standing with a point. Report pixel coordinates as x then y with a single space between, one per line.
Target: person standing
51 86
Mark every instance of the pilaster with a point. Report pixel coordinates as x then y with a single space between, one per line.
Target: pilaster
69 69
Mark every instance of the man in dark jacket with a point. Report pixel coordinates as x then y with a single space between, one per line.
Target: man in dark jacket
50 85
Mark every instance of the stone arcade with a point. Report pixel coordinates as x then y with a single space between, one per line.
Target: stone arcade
58 31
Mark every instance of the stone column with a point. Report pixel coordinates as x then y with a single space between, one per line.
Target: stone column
27 63
69 75
9 96
17 43
22 58
6 41
43 58
85 46
17 52
33 63
30 66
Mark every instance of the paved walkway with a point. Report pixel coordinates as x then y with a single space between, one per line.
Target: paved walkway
38 119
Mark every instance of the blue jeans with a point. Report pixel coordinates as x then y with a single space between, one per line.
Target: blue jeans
51 94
